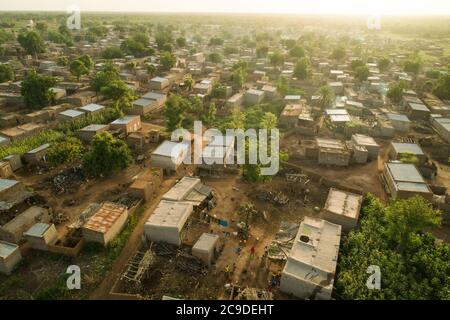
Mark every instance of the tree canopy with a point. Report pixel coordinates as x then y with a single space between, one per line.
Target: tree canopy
6 73
36 90
31 42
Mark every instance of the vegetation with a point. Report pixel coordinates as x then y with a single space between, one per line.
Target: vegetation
6 73
326 97
112 53
395 91
36 90
167 61
66 150
302 69
362 73
442 87
174 111
393 237
106 156
31 42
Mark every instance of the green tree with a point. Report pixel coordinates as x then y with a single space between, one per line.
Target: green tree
269 121
107 75
216 41
215 57
442 87
174 111
31 42
120 93
36 90
62 61
326 97
395 91
262 52
237 120
6 73
181 42
188 82
112 53
338 54
276 58
167 61
413 65
302 69
64 151
355 64
297 52
362 73
151 69
383 64
239 77
77 69
106 156
209 117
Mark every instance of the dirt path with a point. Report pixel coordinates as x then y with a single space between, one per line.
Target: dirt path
102 292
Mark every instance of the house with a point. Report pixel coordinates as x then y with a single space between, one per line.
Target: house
236 100
253 96
14 161
289 115
12 192
332 152
367 142
170 155
204 87
442 126
218 153
13 230
146 184
37 155
167 221
398 150
87 133
417 111
127 124
70 115
342 208
41 235
10 256
311 264
142 106
269 91
338 116
159 83
205 248
403 180
190 190
106 223
400 122
92 108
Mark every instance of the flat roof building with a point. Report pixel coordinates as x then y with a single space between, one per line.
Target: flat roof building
399 149
367 142
343 208
169 155
105 224
205 248
188 189
167 221
40 235
311 264
403 180
10 256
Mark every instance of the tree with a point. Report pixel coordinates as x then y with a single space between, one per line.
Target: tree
120 93
67 150
174 111
62 61
167 47
135 48
302 69
77 68
442 87
112 53
188 82
413 65
167 61
326 97
383 64
181 42
215 57
269 121
36 90
261 52
277 59
419 270
356 64
216 41
107 75
106 156
297 52
41 27
218 91
230 50
237 119
362 73
6 73
395 91
32 42
338 54
209 116
151 69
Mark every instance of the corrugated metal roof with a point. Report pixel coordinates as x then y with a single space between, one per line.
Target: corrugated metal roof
38 229
6 184
405 172
412 148
6 249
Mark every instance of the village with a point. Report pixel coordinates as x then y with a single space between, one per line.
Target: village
91 176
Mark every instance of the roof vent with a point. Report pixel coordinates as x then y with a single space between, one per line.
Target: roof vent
304 239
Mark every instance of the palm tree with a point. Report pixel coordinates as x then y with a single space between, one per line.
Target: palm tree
326 97
188 82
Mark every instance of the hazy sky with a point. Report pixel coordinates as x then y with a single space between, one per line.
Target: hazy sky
366 7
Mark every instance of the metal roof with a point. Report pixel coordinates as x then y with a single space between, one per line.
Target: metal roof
412 148
171 148
40 148
94 127
6 249
159 79
124 120
71 113
418 107
170 214
404 172
206 242
37 230
92 107
397 117
343 203
105 217
153 96
6 184
143 102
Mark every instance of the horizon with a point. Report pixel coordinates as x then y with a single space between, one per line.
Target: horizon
404 8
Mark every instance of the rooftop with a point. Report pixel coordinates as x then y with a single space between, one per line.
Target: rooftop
37 230
397 117
124 120
170 214
105 217
170 148
71 113
6 249
6 184
343 203
92 107
364 140
188 189
412 148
